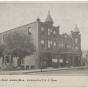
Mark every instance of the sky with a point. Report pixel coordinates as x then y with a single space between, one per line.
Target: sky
66 15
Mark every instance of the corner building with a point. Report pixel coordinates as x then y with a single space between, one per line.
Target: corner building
58 50
52 48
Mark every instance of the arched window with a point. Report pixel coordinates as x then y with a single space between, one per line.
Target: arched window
42 43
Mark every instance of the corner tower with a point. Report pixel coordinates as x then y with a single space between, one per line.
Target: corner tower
76 39
49 19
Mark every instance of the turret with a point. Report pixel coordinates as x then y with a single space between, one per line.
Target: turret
49 19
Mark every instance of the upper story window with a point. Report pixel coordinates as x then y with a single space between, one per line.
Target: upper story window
86 55
77 48
49 44
73 48
49 31
42 30
76 40
42 43
62 45
59 45
54 33
65 36
29 30
55 44
68 46
22 61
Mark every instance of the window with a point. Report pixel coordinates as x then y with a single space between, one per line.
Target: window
42 43
49 31
23 61
62 45
76 40
54 33
42 30
54 44
86 55
7 59
77 48
69 46
49 44
29 30
65 36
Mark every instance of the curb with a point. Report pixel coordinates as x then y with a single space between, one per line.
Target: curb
53 70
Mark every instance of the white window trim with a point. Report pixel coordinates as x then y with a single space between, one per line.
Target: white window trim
42 29
55 44
42 41
76 40
54 32
29 29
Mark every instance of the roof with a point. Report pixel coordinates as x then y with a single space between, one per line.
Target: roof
49 18
76 29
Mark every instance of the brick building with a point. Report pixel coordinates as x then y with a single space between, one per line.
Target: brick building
53 49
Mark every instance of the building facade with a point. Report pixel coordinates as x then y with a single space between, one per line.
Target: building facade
52 48
84 58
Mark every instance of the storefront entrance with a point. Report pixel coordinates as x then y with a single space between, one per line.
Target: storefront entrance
49 61
67 60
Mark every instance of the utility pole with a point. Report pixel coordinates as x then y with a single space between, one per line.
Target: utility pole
41 63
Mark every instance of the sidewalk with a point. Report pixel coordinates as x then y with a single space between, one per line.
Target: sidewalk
37 70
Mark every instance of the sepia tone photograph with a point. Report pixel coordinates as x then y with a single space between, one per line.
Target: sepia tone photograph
44 38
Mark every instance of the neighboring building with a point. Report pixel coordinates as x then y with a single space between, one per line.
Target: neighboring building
84 57
53 49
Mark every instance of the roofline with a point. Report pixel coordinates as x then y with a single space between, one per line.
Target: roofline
17 27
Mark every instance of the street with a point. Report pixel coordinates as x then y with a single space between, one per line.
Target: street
78 71
54 72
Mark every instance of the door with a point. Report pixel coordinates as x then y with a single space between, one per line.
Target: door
49 60
65 47
18 62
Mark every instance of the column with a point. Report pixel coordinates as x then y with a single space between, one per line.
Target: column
73 61
69 61
79 59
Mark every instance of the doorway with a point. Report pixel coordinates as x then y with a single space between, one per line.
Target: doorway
49 64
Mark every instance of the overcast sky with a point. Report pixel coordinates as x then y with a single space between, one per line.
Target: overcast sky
66 15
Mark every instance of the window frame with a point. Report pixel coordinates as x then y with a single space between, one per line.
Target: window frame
55 44
29 30
42 31
76 40
54 32
49 44
42 43
50 31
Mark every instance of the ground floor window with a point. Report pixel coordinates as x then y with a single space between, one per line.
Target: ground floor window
7 59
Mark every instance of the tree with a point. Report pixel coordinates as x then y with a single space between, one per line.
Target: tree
19 45
1 50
